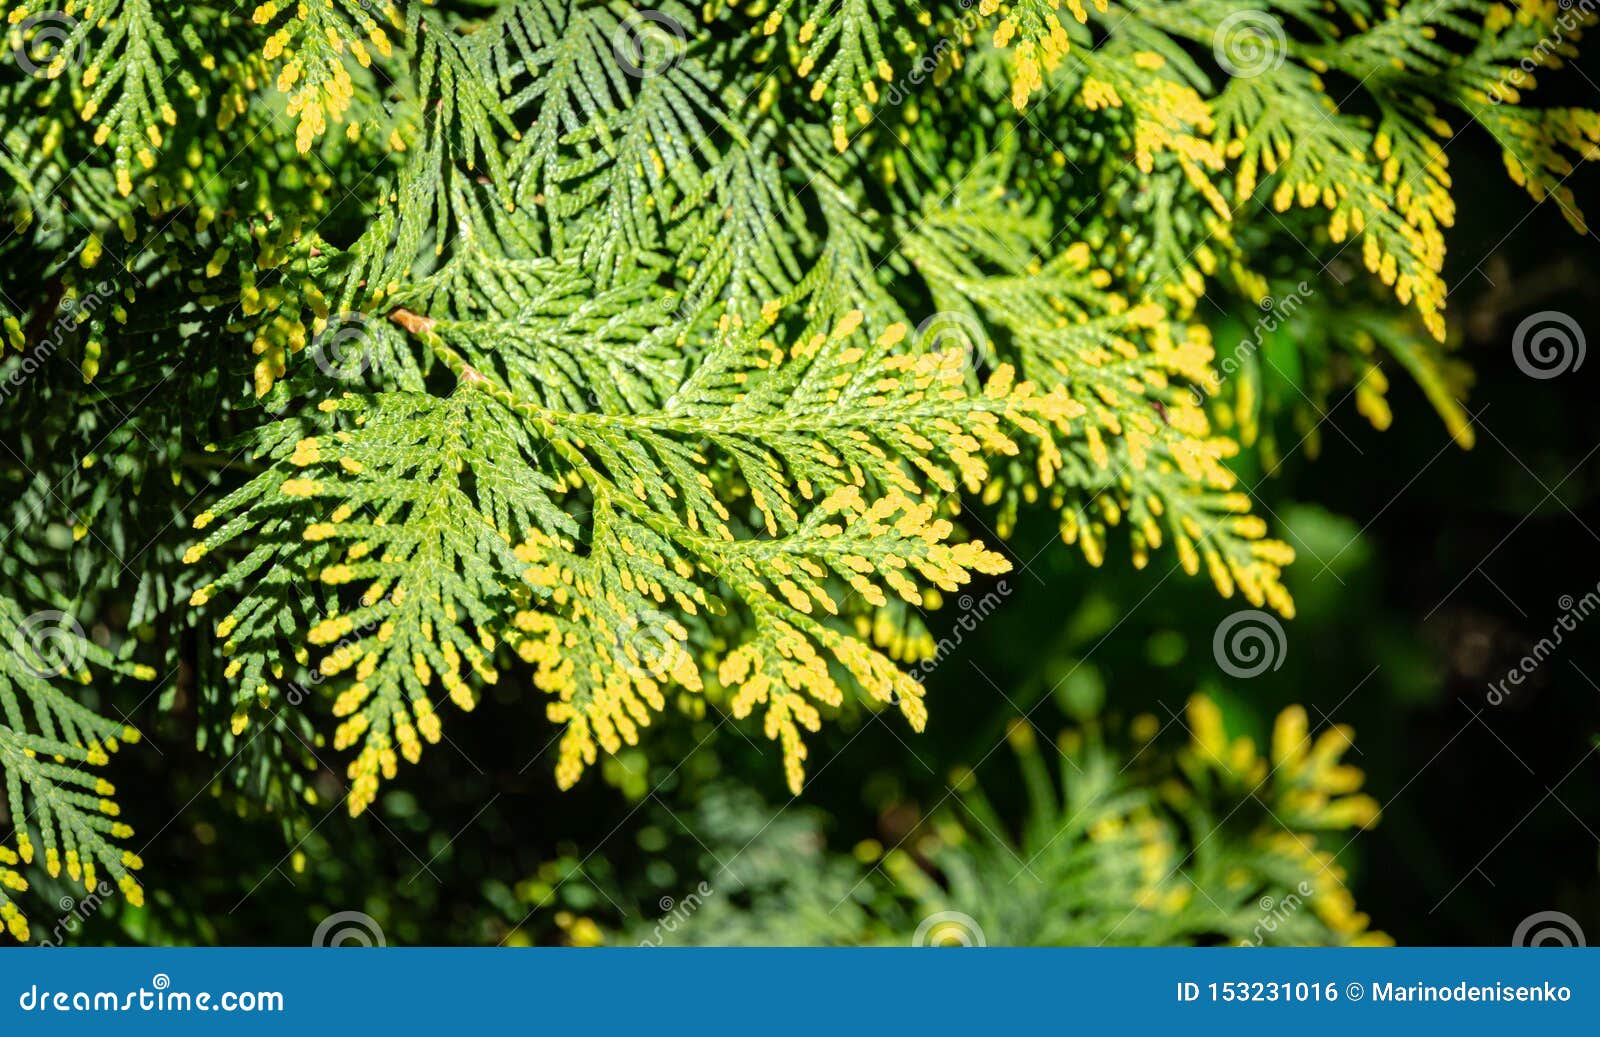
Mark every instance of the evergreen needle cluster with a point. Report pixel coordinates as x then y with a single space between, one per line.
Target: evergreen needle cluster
651 358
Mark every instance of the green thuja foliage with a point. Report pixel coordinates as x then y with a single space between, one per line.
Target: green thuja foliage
50 745
360 355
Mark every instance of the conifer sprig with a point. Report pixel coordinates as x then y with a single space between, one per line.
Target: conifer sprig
646 355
